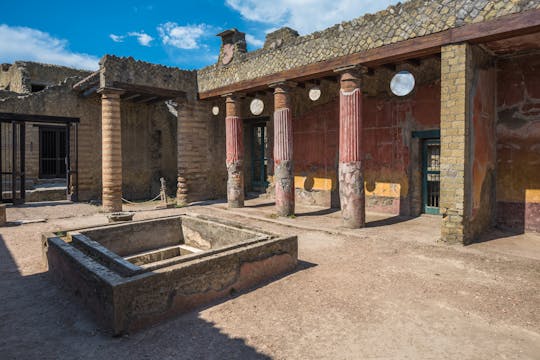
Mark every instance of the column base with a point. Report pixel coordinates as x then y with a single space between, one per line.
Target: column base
235 185
351 194
284 188
182 192
111 208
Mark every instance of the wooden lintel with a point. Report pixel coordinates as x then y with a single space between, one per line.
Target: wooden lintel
149 90
146 99
391 67
131 97
8 117
90 91
413 62
505 27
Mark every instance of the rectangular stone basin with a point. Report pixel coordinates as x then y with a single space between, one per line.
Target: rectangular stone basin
135 274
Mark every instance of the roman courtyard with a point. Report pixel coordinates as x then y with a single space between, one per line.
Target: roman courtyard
367 191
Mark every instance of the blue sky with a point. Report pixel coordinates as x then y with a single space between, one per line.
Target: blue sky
180 33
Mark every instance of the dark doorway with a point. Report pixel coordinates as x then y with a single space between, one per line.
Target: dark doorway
431 175
52 152
12 159
259 157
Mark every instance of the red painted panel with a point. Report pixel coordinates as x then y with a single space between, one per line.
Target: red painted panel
387 125
518 142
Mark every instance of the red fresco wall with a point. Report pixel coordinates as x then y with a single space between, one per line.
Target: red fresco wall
483 152
388 122
518 143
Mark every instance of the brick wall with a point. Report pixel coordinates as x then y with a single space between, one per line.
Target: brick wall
201 152
455 79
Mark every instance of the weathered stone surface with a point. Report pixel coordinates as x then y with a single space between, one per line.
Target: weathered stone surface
400 22
21 75
125 297
121 70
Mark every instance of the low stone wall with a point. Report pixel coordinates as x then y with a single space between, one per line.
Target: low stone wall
126 297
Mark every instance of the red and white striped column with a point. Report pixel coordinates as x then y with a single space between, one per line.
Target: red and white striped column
235 151
283 149
351 176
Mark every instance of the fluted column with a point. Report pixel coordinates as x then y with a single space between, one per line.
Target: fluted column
111 149
283 150
235 151
351 176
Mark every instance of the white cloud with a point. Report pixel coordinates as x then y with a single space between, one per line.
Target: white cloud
117 38
306 16
143 38
252 40
182 37
23 43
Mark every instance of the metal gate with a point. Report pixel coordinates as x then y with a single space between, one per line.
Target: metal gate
53 146
431 176
12 152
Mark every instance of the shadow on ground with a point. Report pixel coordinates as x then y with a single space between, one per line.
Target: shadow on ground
389 221
31 205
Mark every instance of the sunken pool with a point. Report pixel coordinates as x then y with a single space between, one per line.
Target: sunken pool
135 274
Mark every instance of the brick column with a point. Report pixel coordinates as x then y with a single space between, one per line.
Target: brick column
283 150
111 149
182 138
235 151
455 179
351 176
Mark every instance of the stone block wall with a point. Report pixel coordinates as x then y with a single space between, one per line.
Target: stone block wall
455 148
148 136
47 102
19 76
202 173
468 142
116 70
400 22
148 149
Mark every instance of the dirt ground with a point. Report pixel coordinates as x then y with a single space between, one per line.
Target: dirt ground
389 291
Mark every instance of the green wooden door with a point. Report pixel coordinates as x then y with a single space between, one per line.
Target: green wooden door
431 175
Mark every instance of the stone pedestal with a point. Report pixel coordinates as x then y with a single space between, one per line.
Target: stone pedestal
235 152
111 140
283 150
351 177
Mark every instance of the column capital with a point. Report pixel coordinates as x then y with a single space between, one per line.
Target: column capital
233 96
282 85
109 91
351 76
358 70
233 106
